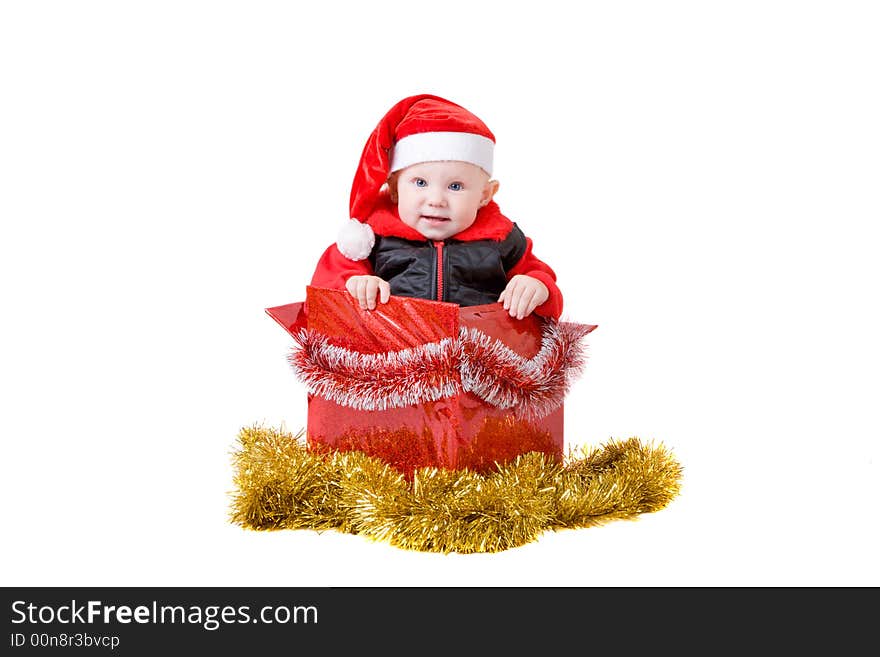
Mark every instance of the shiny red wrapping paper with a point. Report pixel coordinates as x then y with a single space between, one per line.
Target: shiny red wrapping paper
389 383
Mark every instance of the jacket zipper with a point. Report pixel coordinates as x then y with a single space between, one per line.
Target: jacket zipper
439 247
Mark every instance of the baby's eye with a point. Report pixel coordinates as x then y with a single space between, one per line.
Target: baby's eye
420 182
456 186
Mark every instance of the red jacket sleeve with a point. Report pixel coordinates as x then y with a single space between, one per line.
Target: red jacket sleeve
529 265
334 269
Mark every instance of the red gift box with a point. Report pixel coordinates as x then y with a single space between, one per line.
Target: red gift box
424 383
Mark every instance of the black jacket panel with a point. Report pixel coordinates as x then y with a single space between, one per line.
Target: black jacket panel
474 272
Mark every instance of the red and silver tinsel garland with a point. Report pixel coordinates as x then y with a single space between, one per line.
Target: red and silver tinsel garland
370 382
532 387
474 362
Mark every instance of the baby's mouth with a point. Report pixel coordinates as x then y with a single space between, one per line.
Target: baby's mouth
432 218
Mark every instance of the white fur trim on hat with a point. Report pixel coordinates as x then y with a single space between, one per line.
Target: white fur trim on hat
355 240
438 146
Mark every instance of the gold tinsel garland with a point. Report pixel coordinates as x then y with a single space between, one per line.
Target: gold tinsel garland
281 484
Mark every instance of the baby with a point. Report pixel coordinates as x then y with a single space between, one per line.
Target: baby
424 223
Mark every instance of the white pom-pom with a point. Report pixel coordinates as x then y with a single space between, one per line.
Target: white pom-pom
356 240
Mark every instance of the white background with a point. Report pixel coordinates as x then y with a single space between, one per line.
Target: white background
703 177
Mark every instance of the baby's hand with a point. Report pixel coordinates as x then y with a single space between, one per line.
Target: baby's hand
523 294
364 289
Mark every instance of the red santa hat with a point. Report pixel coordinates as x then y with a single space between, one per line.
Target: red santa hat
421 128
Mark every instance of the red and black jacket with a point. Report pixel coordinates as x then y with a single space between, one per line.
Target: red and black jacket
470 268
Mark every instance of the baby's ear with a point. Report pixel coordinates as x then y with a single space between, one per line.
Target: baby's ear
489 190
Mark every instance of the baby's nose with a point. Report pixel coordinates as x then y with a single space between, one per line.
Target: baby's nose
436 198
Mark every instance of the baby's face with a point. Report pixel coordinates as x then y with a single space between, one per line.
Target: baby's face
440 199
